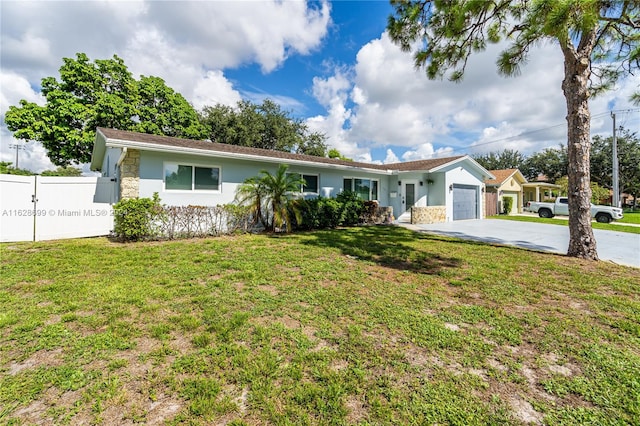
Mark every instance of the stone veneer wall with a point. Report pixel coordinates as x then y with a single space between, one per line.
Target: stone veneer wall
130 175
383 215
430 214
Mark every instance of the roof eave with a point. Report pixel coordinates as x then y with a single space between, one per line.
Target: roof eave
122 143
484 172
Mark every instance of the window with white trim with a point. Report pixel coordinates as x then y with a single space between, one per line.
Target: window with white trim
189 177
310 185
367 189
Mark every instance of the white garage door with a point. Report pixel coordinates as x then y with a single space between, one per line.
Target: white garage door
465 202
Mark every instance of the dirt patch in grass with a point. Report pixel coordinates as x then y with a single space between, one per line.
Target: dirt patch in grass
269 289
41 358
356 410
524 411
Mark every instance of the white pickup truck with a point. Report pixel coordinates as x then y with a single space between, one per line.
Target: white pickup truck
603 214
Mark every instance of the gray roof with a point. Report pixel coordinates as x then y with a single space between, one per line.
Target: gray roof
113 135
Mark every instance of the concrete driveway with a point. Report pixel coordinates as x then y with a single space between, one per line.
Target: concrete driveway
618 247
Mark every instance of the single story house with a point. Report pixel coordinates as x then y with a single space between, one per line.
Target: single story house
540 191
506 183
191 172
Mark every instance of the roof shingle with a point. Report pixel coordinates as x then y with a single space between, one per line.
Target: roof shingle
501 176
167 141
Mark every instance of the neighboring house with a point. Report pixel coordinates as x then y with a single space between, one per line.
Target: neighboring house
507 183
540 190
190 172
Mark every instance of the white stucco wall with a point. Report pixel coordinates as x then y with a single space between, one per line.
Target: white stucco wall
232 173
110 162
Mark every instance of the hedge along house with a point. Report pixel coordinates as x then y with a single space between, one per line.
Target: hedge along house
190 172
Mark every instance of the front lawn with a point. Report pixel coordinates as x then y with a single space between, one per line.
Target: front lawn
631 217
614 226
373 325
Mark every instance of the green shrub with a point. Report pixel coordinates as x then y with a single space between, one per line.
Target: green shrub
309 214
134 218
330 213
352 208
318 213
507 203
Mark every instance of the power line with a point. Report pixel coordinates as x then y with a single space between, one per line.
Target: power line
593 116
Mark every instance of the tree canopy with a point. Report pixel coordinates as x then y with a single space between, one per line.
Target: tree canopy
550 162
6 168
68 171
102 93
265 126
628 161
554 163
599 40
506 159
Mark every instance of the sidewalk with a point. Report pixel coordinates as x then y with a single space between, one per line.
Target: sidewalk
614 222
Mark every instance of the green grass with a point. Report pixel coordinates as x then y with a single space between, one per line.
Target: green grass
374 325
631 217
564 222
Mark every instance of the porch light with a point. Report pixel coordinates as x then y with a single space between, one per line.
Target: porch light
399 183
421 183
451 188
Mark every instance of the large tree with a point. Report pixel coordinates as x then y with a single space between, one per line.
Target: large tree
102 93
599 40
265 126
551 163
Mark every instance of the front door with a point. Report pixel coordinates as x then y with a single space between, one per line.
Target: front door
409 195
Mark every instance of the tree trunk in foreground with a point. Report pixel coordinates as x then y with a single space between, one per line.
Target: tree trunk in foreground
582 242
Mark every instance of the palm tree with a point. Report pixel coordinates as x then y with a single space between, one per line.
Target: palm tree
279 190
268 197
252 193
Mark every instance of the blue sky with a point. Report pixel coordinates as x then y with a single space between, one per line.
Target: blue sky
329 63
354 23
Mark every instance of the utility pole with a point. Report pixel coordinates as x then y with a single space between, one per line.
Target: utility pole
18 147
616 183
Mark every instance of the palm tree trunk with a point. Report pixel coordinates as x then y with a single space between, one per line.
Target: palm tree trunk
582 242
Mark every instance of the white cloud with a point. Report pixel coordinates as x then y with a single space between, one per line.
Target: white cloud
31 156
426 151
332 90
391 104
390 158
333 93
226 34
15 87
214 89
499 138
186 43
378 101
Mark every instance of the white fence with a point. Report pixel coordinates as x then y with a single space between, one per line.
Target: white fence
35 208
